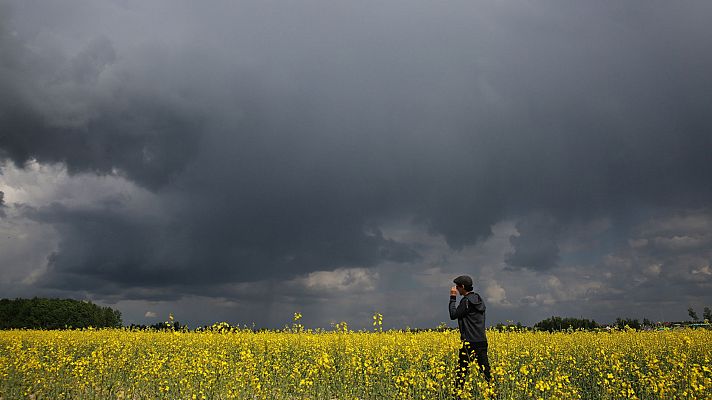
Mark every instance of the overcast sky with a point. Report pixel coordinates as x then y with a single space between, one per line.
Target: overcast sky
241 161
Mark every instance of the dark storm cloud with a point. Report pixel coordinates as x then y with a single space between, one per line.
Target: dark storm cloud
536 245
103 250
54 110
279 137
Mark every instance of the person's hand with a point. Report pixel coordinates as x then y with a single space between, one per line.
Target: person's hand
453 291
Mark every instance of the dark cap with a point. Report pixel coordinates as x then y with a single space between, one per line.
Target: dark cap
463 280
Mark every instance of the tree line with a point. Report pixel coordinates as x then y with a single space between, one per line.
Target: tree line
706 314
561 324
42 313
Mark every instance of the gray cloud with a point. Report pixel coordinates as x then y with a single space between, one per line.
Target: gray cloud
279 140
81 112
536 245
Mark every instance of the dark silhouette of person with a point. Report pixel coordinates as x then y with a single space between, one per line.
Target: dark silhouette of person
470 315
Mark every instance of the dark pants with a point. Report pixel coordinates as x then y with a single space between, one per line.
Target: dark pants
469 353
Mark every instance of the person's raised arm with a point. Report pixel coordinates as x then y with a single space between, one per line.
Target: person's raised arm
456 311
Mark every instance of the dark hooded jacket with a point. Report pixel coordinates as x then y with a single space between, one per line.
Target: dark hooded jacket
470 315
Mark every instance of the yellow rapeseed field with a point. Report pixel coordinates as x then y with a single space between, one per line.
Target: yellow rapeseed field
342 364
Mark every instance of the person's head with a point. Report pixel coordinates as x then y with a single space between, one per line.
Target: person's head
463 284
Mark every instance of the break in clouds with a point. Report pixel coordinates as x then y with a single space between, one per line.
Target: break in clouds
245 160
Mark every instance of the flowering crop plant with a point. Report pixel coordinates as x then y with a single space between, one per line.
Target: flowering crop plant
225 362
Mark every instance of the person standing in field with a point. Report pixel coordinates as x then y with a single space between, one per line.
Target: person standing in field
470 315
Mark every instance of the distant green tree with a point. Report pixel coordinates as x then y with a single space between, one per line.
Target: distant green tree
621 323
560 324
42 313
166 326
692 314
707 314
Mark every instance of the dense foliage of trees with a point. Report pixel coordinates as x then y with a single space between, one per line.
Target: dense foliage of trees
41 313
621 323
559 324
706 314
691 312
